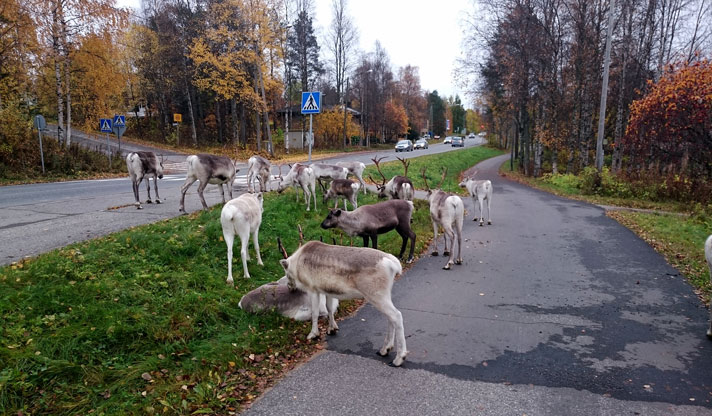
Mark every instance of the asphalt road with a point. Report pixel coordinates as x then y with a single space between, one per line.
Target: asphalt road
557 310
40 217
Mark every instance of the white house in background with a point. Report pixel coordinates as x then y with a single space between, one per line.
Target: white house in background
140 113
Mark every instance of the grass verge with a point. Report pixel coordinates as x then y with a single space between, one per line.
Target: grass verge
457 162
141 321
678 238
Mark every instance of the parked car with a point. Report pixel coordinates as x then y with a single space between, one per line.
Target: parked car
447 140
404 146
458 142
421 144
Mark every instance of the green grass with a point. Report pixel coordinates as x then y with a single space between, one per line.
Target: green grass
83 324
456 162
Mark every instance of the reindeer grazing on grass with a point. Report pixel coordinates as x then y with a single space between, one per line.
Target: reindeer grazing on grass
399 187
348 273
205 168
303 176
355 169
480 190
328 172
258 168
142 165
368 221
345 188
446 211
242 216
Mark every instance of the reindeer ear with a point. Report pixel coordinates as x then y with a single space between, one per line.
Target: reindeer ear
284 263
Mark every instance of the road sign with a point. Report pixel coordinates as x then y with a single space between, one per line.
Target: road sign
119 130
120 121
105 125
40 123
311 102
177 118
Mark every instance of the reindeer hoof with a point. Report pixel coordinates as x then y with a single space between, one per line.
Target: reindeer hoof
410 260
489 222
446 253
382 354
482 224
447 267
458 261
397 362
474 219
139 207
312 335
434 254
709 333
158 201
332 331
148 201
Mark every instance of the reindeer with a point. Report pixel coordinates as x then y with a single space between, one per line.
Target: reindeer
325 171
348 273
355 169
140 165
276 296
205 168
242 216
708 257
399 187
447 211
345 188
370 220
480 190
303 176
258 167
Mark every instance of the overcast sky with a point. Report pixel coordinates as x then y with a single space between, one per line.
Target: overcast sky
426 34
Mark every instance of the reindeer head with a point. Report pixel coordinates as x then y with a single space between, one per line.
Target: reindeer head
425 179
331 220
382 187
285 265
159 168
463 183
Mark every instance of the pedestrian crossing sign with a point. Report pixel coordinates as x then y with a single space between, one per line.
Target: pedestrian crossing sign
311 102
105 125
119 120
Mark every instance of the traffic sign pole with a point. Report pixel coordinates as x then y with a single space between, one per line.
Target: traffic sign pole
41 124
108 148
41 152
311 137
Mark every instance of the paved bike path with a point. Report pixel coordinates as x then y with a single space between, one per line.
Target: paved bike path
557 310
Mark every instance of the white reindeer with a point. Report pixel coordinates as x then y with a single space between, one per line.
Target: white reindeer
242 216
481 191
303 176
207 169
328 172
708 257
356 169
399 187
348 273
143 165
446 211
258 168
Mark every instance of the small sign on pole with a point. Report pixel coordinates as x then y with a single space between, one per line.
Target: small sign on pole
40 124
177 118
119 128
105 125
311 104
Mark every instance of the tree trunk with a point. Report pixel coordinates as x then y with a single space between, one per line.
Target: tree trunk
218 120
67 86
193 132
243 126
57 18
233 114
266 112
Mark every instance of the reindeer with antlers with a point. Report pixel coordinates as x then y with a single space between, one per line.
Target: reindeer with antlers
399 187
446 211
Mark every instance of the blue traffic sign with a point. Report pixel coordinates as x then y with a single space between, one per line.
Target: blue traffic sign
119 120
311 102
105 125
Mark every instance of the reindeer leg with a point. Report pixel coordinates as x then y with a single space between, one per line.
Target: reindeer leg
222 192
134 186
229 237
365 240
395 332
148 189
314 298
201 188
333 327
374 240
256 244
435 239
489 220
244 242
183 189
448 233
155 186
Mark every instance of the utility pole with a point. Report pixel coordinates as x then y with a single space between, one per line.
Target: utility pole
604 89
346 97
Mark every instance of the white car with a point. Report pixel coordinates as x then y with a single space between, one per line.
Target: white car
447 140
471 136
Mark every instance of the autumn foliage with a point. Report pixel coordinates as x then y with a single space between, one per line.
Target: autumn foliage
329 128
670 128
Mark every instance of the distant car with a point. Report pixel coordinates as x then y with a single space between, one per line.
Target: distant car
458 142
421 144
404 146
471 136
447 140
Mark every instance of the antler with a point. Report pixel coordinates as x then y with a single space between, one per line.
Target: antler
422 173
405 165
281 248
378 166
301 235
442 179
